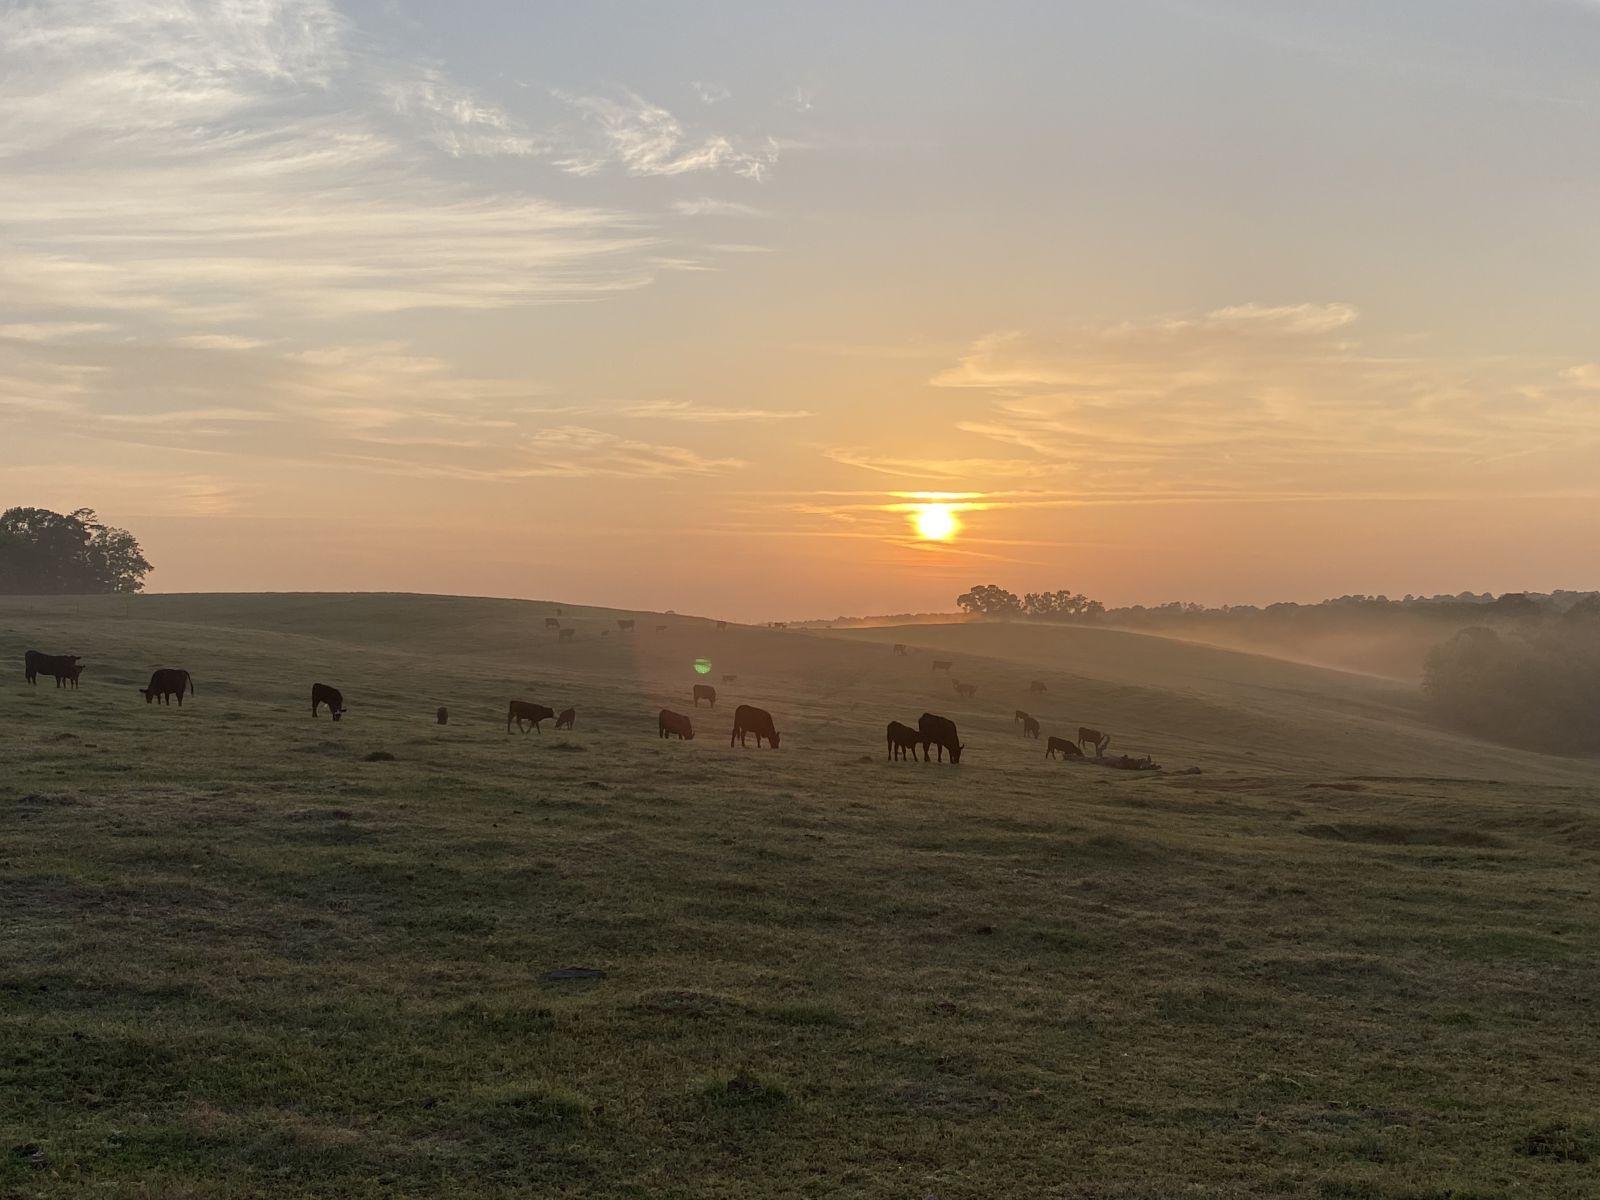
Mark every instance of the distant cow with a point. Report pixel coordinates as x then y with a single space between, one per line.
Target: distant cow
940 732
1020 716
1094 738
552 623
780 624
1067 749
35 663
901 649
669 723
940 665
624 625
722 624
747 719
729 678
521 711
704 691
901 739
566 635
322 694
167 682
1036 687
1030 728
442 716
661 628
966 689
567 718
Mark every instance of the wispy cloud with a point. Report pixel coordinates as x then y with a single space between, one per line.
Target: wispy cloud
642 138
682 410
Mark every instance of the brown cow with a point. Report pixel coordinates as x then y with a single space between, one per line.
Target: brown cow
901 649
748 719
941 732
1068 749
966 689
669 722
940 665
901 739
624 625
704 691
551 623
322 694
1095 738
72 675
566 635
566 718
1030 728
167 682
521 711
1036 687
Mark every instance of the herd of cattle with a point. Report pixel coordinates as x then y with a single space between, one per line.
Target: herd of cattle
932 732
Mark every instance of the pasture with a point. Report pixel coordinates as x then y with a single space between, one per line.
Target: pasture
244 953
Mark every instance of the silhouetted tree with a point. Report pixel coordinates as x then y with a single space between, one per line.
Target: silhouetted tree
44 553
990 600
1063 604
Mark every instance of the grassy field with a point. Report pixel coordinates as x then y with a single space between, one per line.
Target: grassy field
246 954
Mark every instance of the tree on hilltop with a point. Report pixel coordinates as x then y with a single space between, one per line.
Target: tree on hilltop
44 553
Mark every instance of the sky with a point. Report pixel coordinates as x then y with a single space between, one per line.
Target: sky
692 305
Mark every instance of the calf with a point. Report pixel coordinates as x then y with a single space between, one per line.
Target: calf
36 663
1067 749
901 739
322 694
167 682
941 732
1094 738
940 665
900 649
966 689
704 691
748 719
567 718
669 723
73 672
1030 728
521 711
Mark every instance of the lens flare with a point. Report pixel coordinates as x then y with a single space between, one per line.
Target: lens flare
702 666
935 522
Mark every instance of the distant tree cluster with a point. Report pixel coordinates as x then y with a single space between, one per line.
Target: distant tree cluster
44 553
992 600
1535 686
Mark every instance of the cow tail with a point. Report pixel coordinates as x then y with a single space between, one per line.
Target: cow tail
189 679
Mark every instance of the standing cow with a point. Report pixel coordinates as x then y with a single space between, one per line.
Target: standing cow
939 732
523 712
704 691
1094 738
747 719
322 694
167 682
36 663
901 739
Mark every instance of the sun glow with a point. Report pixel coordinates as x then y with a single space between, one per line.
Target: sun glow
935 522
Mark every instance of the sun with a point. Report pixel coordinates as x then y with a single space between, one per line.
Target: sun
935 522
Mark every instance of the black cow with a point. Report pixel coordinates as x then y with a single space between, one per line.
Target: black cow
442 716
36 663
167 682
940 732
669 723
521 711
704 691
901 739
624 624
1066 748
567 718
322 694
748 719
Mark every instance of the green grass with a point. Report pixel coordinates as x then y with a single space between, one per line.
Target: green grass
241 956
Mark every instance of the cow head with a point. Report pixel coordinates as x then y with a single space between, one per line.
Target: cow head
149 694
337 713
955 753
774 739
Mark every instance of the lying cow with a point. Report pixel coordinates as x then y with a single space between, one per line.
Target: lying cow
1067 749
521 711
669 723
748 719
901 739
167 682
322 694
36 663
567 718
941 732
704 691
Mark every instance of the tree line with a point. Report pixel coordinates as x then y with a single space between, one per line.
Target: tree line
45 553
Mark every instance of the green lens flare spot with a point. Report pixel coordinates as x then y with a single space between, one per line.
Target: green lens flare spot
702 666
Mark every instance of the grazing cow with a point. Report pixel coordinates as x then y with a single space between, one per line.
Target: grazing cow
940 665
35 664
1037 688
729 678
669 723
624 625
1020 716
901 649
567 718
566 635
167 682
722 624
940 732
661 628
521 711
1030 728
322 694
442 717
1095 738
749 719
704 691
551 623
901 739
966 689
1067 749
